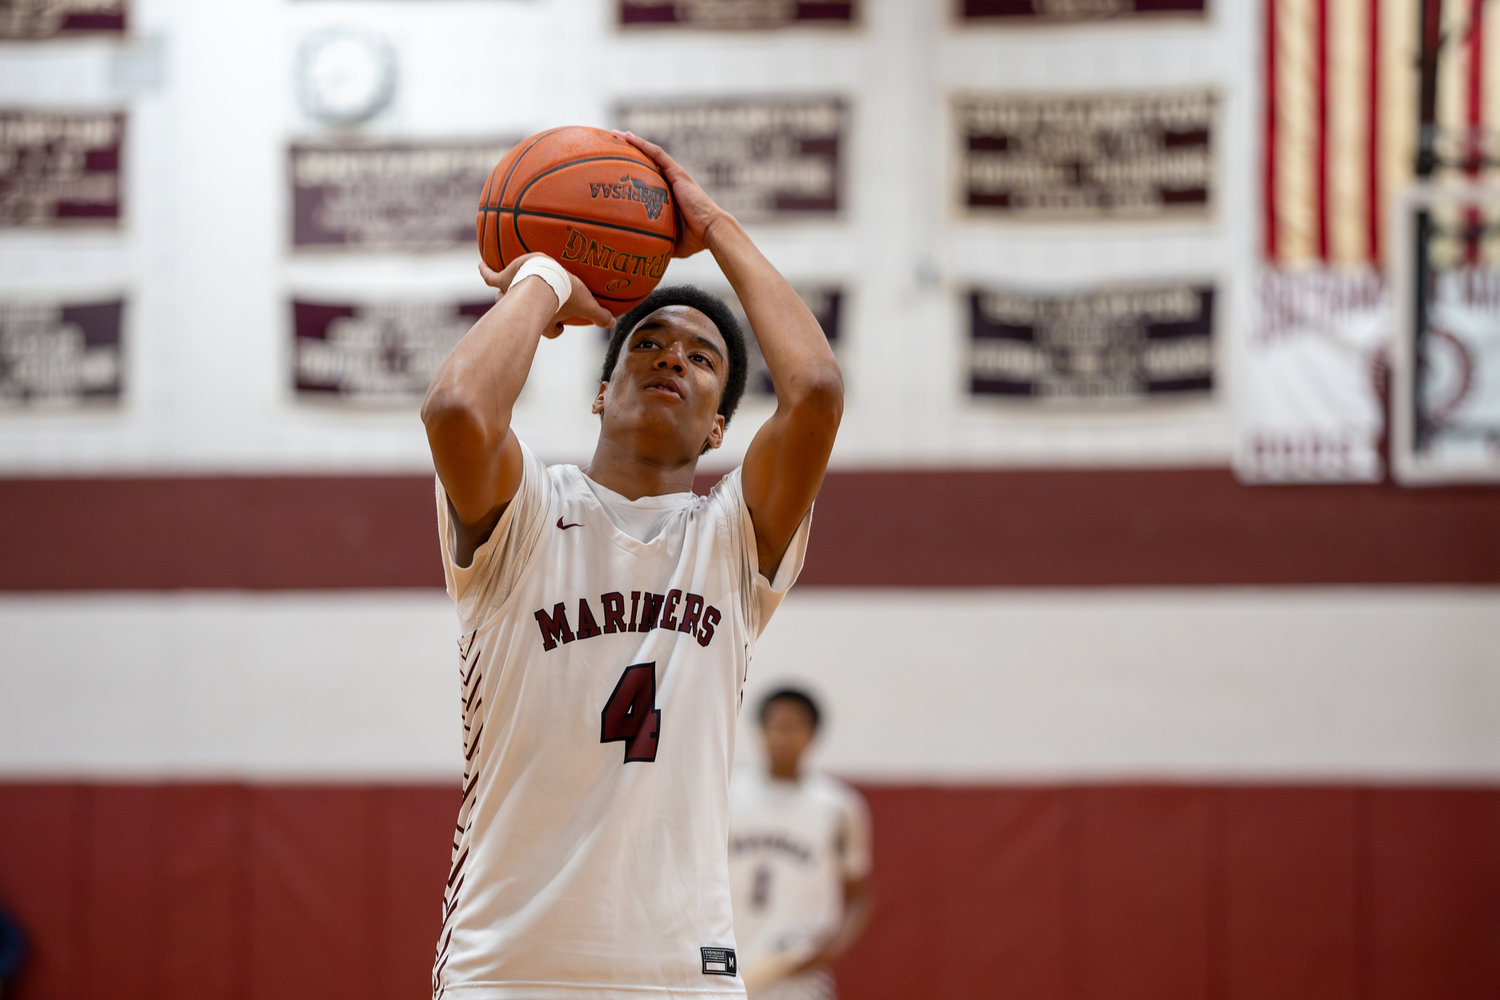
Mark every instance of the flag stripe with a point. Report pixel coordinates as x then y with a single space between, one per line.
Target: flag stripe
1341 116
1373 133
1320 169
1268 210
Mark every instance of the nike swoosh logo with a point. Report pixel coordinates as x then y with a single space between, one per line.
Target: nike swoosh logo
565 527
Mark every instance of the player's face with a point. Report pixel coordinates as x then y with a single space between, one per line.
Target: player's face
788 732
666 386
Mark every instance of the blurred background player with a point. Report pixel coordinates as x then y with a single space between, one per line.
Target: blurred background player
799 860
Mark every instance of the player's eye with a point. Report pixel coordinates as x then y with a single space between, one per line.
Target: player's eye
645 342
703 359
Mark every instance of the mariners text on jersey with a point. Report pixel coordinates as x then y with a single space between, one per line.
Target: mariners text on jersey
647 611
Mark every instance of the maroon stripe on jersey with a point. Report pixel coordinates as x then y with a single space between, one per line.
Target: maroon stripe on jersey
1086 527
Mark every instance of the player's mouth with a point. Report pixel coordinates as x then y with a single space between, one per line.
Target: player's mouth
663 386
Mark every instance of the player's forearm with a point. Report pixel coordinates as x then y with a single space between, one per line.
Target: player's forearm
796 351
476 388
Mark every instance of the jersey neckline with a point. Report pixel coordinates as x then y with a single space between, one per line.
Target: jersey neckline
583 488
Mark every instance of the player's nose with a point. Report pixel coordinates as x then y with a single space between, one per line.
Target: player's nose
674 355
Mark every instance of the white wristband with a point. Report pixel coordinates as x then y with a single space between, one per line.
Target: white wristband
549 271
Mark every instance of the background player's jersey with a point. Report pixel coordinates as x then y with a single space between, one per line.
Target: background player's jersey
604 646
792 845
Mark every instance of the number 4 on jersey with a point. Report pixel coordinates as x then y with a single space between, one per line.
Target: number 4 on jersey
631 716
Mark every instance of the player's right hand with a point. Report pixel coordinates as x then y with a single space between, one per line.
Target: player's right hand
581 309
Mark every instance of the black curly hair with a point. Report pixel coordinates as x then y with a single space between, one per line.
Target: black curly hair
796 696
710 306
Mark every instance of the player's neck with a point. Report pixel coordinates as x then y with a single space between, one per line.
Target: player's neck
791 772
634 475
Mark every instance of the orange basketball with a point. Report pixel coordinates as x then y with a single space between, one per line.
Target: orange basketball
589 200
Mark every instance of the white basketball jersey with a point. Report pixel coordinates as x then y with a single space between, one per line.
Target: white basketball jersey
604 646
792 845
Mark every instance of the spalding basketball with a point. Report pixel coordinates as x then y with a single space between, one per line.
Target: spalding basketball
589 200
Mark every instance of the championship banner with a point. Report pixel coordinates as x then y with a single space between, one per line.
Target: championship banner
1445 366
30 20
1342 113
1082 156
760 159
398 196
734 13
374 353
1106 346
1074 10
60 169
60 355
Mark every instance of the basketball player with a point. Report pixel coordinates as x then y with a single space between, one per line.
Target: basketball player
799 860
607 617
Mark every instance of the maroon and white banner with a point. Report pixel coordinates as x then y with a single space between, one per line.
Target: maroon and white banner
1307 400
1087 155
60 355
397 196
374 352
1103 346
1445 361
735 13
26 20
60 169
1342 117
760 158
1076 10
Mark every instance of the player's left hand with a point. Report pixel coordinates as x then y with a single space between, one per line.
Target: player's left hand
696 211
581 309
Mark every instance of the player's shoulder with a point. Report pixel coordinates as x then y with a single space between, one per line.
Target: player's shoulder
828 789
727 492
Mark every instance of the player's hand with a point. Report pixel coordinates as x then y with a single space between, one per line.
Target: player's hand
696 211
581 309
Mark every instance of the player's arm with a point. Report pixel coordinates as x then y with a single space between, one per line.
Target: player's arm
785 462
856 916
468 406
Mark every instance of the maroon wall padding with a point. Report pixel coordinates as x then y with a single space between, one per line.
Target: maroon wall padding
217 892
945 528
213 892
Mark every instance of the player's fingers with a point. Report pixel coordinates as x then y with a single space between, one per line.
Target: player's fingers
502 279
657 154
601 316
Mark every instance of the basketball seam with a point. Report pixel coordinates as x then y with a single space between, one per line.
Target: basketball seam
573 218
586 159
500 199
484 200
500 196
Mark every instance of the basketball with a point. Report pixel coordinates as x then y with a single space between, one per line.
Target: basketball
589 200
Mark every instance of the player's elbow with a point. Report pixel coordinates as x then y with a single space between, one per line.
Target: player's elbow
452 420
819 400
442 407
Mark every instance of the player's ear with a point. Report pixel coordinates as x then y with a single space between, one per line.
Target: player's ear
598 406
715 433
